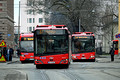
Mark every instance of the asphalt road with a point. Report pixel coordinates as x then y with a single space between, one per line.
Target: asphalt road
103 69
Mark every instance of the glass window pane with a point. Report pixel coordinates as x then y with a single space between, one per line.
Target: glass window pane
40 20
30 20
33 20
30 28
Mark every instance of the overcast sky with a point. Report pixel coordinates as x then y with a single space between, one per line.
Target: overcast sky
16 11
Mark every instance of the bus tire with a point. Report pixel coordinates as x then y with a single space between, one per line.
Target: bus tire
93 60
38 66
22 62
66 66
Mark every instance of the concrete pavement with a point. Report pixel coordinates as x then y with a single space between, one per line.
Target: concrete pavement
11 74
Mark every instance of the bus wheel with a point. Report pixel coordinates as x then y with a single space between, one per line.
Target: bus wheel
93 60
22 62
38 66
66 66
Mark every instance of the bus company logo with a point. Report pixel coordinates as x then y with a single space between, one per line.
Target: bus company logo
77 55
25 53
42 57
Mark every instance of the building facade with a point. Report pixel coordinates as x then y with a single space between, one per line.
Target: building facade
109 34
29 18
7 21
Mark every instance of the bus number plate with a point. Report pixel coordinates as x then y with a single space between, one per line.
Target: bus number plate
83 58
51 62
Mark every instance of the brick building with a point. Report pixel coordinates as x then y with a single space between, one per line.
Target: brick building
7 20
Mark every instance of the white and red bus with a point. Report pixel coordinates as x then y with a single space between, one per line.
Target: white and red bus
26 47
52 45
83 46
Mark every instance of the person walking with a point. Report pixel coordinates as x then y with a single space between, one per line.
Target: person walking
112 53
9 53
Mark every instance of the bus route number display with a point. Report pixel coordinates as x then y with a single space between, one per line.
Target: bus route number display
27 39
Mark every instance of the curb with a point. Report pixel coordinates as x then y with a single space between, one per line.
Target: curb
24 74
16 75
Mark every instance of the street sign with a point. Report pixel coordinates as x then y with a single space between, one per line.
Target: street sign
9 34
117 36
2 44
2 59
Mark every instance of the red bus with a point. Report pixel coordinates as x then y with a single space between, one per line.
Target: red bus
115 44
83 46
26 47
52 45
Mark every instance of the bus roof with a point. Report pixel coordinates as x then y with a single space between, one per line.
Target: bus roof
83 34
57 27
51 27
114 40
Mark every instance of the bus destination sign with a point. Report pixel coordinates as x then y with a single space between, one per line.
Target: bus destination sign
27 39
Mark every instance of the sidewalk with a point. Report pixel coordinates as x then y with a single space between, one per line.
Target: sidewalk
11 74
14 60
107 58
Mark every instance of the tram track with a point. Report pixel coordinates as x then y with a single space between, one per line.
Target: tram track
71 75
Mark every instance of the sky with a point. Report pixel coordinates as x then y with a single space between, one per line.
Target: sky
16 11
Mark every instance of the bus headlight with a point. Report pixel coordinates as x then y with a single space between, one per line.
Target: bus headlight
23 55
92 56
74 57
64 61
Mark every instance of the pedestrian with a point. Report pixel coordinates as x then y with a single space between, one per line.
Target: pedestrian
18 52
112 53
9 53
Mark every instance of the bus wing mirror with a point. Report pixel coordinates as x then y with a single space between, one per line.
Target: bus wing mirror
33 31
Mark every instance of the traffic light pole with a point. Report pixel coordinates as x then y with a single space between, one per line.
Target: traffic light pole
18 24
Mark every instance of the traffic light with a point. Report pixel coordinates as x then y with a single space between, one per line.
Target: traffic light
1 34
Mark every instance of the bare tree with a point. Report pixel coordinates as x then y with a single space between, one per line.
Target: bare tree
69 12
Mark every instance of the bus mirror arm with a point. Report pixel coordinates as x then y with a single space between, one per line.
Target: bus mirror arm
33 31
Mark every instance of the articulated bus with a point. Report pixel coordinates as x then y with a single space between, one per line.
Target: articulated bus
83 46
26 47
52 45
115 44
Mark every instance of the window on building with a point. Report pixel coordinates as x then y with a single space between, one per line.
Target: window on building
33 20
30 28
30 20
0 10
40 20
33 28
0 4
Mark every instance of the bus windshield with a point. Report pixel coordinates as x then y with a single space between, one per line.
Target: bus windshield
51 44
26 46
83 45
